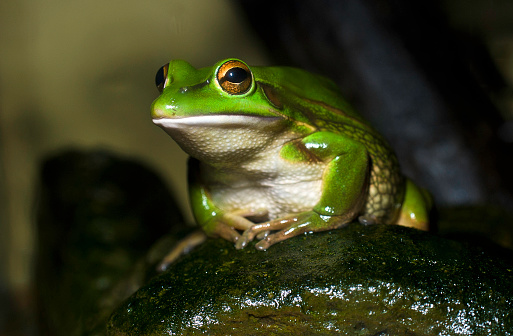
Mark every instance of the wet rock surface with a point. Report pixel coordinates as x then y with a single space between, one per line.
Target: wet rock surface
359 280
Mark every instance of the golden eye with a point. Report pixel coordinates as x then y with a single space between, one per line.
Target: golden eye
234 77
160 77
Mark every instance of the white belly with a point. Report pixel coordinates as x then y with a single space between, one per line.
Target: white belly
276 185
277 200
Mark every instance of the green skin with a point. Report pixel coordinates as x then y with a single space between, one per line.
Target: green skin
281 156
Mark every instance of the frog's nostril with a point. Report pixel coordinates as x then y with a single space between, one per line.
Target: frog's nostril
157 113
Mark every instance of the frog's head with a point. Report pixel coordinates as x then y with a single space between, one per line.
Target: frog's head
230 112
215 113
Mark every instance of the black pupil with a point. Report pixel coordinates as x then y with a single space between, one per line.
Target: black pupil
236 75
159 77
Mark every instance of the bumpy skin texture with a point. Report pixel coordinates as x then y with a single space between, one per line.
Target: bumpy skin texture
386 185
277 149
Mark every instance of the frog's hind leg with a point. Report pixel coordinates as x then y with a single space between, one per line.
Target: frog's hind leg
416 207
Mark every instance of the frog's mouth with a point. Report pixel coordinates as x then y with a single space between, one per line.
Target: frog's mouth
219 120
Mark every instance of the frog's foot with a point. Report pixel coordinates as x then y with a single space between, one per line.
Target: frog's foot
256 216
184 246
289 227
228 225
263 229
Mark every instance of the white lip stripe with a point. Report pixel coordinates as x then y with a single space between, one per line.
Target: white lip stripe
212 120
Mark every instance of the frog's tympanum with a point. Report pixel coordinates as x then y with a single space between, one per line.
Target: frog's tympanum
277 151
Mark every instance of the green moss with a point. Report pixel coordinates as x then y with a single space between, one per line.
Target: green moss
360 280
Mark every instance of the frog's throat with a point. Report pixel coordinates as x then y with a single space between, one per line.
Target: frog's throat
222 120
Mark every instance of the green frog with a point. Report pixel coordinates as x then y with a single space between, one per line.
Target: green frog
277 152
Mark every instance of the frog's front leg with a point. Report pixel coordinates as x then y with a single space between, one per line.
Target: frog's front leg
214 221
343 193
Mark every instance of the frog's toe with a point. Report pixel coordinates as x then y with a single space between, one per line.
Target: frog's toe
272 239
237 222
263 235
263 245
226 232
247 236
243 240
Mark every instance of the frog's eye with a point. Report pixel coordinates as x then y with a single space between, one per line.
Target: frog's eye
160 77
234 77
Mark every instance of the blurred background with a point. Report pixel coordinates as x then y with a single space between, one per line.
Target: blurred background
80 74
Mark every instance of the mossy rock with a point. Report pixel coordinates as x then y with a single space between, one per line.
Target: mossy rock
359 280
